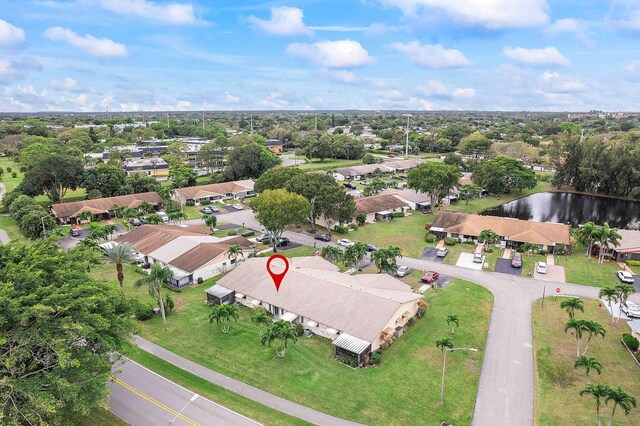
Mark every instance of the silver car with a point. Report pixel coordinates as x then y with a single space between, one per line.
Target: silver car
402 271
625 277
631 309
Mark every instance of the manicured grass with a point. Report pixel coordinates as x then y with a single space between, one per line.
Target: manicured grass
403 390
404 232
8 181
11 226
298 251
558 384
579 269
329 164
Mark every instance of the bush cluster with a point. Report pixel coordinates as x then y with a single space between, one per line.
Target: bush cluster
633 262
449 241
143 311
349 361
631 342
376 357
30 216
430 238
397 214
341 229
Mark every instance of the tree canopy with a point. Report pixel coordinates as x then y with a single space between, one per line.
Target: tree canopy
435 179
249 162
503 174
53 175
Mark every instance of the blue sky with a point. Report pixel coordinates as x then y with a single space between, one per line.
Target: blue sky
130 55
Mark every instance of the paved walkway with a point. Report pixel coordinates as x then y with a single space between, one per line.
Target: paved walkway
253 393
551 260
506 254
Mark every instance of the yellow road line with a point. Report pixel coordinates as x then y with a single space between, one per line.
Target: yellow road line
154 401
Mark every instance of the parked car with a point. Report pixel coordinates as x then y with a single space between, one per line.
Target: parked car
349 185
516 262
214 209
631 309
206 210
541 267
402 271
135 222
75 232
478 258
264 238
430 277
442 252
284 241
323 237
371 247
238 207
625 277
345 242
164 216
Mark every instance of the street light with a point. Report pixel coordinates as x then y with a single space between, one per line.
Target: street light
444 366
406 148
193 398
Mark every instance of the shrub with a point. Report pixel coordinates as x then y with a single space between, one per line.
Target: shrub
299 329
23 169
14 174
543 252
450 241
428 225
169 304
411 321
354 226
232 233
143 311
430 238
376 357
631 342
341 229
361 218
397 214
469 242
349 361
205 203
633 262
9 169
248 233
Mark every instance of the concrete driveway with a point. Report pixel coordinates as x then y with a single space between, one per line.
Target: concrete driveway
554 273
429 253
466 261
504 267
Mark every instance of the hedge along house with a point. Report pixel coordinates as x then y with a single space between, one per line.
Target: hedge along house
190 252
236 190
380 208
513 232
359 313
103 208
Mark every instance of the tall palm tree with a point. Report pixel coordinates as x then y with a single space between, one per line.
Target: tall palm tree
445 343
280 331
119 254
176 216
354 254
623 291
233 252
577 327
610 294
608 236
594 329
453 320
211 221
589 233
109 229
158 274
333 253
261 317
222 315
599 391
572 305
588 363
620 399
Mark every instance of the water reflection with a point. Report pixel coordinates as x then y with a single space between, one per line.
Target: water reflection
574 209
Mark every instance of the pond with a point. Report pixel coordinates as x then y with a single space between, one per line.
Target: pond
574 209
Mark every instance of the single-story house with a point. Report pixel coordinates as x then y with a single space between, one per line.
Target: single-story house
359 313
629 248
189 251
513 232
381 207
275 145
415 200
147 166
103 208
366 170
236 190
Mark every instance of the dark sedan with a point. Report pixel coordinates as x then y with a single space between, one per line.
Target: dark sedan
323 237
284 241
371 247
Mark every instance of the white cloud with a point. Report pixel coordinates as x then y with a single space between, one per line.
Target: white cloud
554 82
89 44
433 88
285 21
625 14
537 57
490 14
171 13
230 99
332 54
11 69
343 76
464 93
183 105
10 35
64 84
274 101
577 27
431 55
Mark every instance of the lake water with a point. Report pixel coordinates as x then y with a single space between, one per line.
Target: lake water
574 209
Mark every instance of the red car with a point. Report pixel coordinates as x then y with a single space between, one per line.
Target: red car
430 277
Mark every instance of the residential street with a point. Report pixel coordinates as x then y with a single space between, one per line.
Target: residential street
142 397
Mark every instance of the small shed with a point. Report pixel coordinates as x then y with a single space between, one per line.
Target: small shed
352 347
219 295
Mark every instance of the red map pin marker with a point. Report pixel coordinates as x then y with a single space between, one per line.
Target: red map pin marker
274 270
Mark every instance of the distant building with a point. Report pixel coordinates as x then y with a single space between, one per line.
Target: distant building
147 166
103 208
236 190
366 170
275 145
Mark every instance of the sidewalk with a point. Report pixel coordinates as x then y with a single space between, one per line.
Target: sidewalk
253 393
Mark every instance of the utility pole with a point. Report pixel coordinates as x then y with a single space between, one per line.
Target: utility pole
316 122
203 121
406 148
251 121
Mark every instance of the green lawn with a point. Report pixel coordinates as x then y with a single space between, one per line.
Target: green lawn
11 226
579 269
558 384
403 390
329 164
10 182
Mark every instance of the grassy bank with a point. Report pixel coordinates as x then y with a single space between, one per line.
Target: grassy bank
328 164
580 269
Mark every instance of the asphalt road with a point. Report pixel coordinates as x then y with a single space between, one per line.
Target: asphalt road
141 397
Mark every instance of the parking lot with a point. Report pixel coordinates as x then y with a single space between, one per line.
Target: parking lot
504 267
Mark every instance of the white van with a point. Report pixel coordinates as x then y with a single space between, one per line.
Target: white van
164 216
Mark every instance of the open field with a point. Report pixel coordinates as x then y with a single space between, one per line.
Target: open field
328 164
11 226
9 181
558 384
582 270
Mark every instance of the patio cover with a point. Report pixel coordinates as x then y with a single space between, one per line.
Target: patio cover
218 291
351 343
332 331
290 317
311 323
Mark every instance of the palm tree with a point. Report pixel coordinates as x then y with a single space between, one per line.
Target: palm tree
578 327
84 215
333 253
608 236
261 317
280 331
594 329
620 398
233 252
145 207
119 254
598 391
453 320
354 254
623 291
572 305
588 363
445 343
488 237
211 221
610 294
177 216
222 315
109 229
589 233
158 274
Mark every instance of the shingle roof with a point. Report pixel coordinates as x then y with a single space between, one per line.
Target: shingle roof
359 305
526 231
410 195
388 166
103 205
629 241
378 203
214 189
